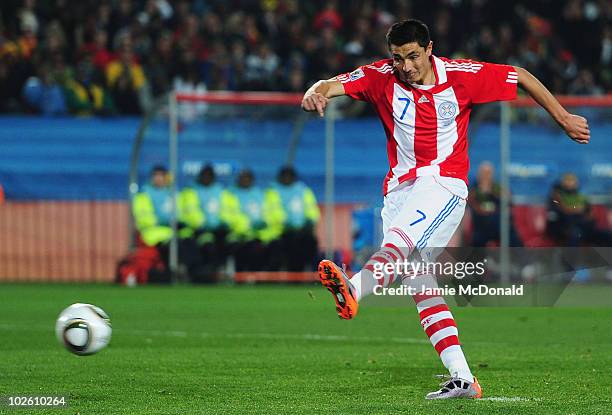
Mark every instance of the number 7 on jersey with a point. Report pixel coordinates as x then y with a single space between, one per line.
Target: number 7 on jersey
406 107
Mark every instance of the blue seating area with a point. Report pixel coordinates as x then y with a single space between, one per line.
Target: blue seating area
541 153
88 158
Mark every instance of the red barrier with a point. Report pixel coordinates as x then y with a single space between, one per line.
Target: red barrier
242 98
253 277
62 241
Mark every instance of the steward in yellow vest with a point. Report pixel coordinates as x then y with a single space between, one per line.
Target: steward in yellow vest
299 243
152 212
212 216
264 213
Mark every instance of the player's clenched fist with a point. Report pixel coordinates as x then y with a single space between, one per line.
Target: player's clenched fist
314 102
577 128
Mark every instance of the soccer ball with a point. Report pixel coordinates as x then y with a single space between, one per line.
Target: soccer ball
83 329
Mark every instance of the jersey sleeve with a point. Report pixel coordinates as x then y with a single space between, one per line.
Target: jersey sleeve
366 83
489 82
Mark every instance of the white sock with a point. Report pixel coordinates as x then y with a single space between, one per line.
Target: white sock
356 282
453 359
364 284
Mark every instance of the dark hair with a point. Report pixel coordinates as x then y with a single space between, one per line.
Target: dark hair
408 31
159 168
246 172
287 171
206 170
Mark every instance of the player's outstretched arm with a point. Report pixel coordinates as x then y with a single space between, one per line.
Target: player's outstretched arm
575 126
318 95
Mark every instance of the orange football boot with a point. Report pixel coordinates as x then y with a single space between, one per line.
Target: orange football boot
337 282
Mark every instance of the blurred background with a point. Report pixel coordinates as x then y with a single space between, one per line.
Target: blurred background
88 172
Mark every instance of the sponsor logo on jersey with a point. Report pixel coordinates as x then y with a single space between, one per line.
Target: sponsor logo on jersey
422 99
356 74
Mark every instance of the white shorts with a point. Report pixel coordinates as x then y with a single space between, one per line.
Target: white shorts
423 213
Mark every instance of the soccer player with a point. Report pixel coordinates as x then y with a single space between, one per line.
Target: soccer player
424 103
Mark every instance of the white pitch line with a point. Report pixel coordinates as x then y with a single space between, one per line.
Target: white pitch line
280 336
508 399
270 336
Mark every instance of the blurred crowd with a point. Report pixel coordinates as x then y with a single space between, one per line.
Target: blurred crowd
570 217
115 56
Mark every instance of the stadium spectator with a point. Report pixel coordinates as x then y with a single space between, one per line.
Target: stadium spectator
328 17
570 220
29 25
43 93
188 81
54 46
97 48
261 68
299 243
160 65
86 95
212 216
125 77
259 245
122 15
237 66
584 84
484 200
155 13
152 211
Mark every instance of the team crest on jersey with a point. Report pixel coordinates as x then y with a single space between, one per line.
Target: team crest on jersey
447 110
356 74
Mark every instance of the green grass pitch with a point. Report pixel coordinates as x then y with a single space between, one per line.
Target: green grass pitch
282 350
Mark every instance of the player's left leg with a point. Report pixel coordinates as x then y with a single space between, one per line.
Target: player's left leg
441 328
443 211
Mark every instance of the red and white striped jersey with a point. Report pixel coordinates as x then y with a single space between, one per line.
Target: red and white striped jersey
426 125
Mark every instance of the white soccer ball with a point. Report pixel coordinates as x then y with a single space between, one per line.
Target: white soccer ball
83 329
